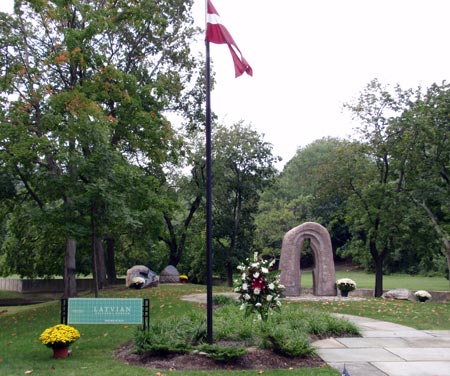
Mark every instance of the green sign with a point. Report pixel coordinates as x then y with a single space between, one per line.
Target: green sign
104 311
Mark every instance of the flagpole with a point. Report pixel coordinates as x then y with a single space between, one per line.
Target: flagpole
215 33
209 300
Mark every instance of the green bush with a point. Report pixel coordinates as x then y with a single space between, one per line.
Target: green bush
226 354
287 341
230 324
172 336
323 324
287 333
158 340
221 300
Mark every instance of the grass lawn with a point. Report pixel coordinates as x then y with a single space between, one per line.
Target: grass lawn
392 281
21 350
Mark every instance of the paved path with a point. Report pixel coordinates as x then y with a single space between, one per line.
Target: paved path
387 349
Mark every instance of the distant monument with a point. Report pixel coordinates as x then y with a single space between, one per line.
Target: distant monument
324 277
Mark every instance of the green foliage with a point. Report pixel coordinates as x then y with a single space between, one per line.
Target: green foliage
325 325
305 191
22 350
175 335
220 300
246 166
287 341
290 337
225 354
83 132
229 325
288 334
159 341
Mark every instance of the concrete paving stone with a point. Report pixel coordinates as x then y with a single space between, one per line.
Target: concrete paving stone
404 333
327 343
358 342
413 368
428 342
358 355
358 369
384 326
438 333
420 353
366 322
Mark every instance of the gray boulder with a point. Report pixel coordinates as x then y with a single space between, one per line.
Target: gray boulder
169 275
399 294
140 276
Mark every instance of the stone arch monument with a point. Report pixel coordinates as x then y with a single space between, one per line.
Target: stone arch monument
324 277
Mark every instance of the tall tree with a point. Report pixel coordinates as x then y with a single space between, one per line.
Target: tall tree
372 175
243 166
425 133
84 85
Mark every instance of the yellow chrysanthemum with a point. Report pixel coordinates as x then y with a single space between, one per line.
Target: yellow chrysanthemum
59 335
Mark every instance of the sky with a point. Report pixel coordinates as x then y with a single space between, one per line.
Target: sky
309 57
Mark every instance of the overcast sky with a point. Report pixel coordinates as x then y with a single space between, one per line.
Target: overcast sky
311 56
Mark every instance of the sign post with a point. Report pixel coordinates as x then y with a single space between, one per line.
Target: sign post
106 311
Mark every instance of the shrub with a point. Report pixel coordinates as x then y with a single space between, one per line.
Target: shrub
286 334
323 324
230 325
172 336
226 354
223 300
287 341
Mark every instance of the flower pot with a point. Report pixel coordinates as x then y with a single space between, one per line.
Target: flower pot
422 299
344 293
60 352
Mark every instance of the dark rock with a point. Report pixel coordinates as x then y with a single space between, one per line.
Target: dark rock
169 275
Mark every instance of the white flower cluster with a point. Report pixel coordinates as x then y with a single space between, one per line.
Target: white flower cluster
346 284
422 294
259 288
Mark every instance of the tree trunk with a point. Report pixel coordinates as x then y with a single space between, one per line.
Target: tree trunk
110 260
234 237
378 277
101 265
229 269
70 282
378 261
176 248
95 275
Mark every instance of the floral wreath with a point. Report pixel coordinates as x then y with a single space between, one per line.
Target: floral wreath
259 287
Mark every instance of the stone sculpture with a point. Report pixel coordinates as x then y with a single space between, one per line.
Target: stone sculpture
324 277
140 276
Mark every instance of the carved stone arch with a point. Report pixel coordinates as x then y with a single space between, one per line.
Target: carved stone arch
324 277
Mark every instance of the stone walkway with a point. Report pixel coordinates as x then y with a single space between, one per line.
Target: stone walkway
387 349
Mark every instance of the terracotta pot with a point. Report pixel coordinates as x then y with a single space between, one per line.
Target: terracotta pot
60 352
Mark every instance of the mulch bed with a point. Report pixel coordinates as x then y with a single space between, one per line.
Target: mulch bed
254 359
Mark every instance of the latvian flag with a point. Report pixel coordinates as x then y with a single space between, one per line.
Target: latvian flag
217 33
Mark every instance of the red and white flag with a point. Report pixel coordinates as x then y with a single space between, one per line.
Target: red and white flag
217 33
